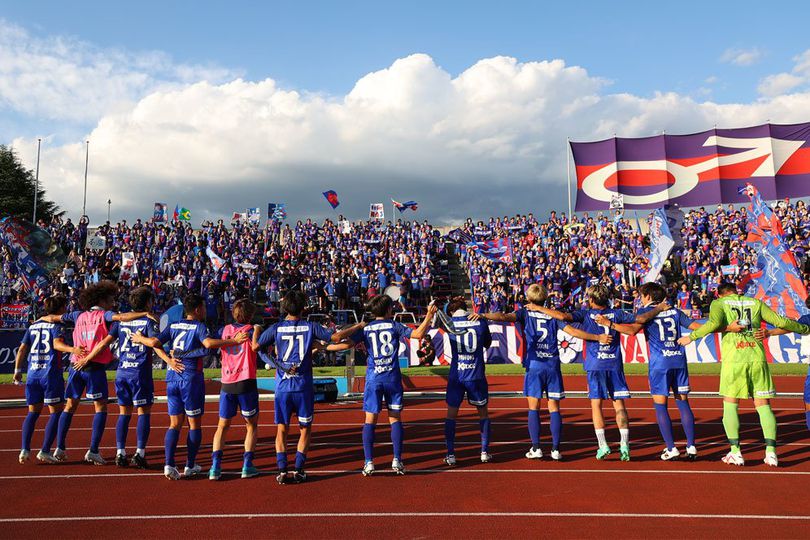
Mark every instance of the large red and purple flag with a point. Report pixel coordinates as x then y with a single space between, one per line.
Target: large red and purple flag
497 249
332 197
696 169
776 280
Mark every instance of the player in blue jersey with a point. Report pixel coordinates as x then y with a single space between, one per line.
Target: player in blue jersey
467 376
604 365
381 338
541 359
667 363
294 340
185 382
43 346
133 379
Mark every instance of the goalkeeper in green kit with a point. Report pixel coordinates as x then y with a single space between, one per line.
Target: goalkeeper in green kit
744 370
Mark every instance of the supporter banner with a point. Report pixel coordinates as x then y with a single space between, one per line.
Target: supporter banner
33 251
238 216
96 243
777 280
376 212
695 169
161 212
345 226
499 249
277 211
617 202
254 215
507 348
129 268
14 315
675 219
9 343
660 244
216 261
729 269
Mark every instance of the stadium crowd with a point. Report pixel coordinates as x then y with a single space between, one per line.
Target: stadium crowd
567 256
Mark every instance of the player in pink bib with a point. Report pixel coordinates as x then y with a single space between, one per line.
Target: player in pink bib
238 390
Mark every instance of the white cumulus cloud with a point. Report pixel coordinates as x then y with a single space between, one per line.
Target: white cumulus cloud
797 78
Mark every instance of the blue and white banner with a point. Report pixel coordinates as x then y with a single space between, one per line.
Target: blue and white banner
661 244
254 215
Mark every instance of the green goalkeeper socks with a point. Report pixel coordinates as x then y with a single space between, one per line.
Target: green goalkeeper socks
731 423
768 422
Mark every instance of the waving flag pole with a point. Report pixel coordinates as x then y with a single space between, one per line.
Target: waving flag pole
568 166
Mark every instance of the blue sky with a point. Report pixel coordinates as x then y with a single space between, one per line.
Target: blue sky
217 105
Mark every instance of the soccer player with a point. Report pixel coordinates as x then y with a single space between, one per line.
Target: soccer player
604 365
185 382
294 340
744 370
134 386
239 389
467 376
667 364
541 359
91 333
381 338
43 345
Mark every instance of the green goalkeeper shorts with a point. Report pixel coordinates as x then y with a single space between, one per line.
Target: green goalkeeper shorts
746 380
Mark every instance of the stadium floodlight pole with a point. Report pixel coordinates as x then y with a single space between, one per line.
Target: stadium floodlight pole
36 181
109 202
86 163
568 166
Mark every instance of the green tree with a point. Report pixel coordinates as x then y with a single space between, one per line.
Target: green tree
17 185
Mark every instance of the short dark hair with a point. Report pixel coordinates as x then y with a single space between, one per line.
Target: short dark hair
456 303
380 305
191 302
140 297
94 294
293 303
55 304
727 287
654 291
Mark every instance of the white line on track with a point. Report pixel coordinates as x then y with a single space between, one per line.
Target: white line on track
737 472
410 515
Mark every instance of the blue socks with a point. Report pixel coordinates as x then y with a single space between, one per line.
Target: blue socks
99 422
50 431
368 441
28 426
170 443
555 421
688 421
143 429
450 435
64 426
193 442
300 461
281 459
216 459
247 459
397 434
121 429
665 424
485 428
534 428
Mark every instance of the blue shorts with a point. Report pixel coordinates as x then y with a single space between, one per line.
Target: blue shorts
807 388
137 392
546 381
604 384
49 390
247 402
373 396
186 395
95 381
661 381
477 392
300 403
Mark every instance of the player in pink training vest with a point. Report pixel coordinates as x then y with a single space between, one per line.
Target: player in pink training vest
88 373
238 389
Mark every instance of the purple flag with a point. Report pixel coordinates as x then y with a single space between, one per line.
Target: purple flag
696 169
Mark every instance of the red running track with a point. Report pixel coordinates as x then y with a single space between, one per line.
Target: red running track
512 496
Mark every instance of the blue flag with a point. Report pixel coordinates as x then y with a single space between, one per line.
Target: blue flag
332 197
497 249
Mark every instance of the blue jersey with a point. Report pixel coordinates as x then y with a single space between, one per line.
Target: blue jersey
133 359
467 349
43 359
598 356
381 339
186 340
293 341
540 339
662 334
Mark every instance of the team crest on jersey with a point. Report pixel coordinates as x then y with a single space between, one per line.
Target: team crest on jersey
570 347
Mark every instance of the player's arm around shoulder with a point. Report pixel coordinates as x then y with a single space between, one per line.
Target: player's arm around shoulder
604 339
774 319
